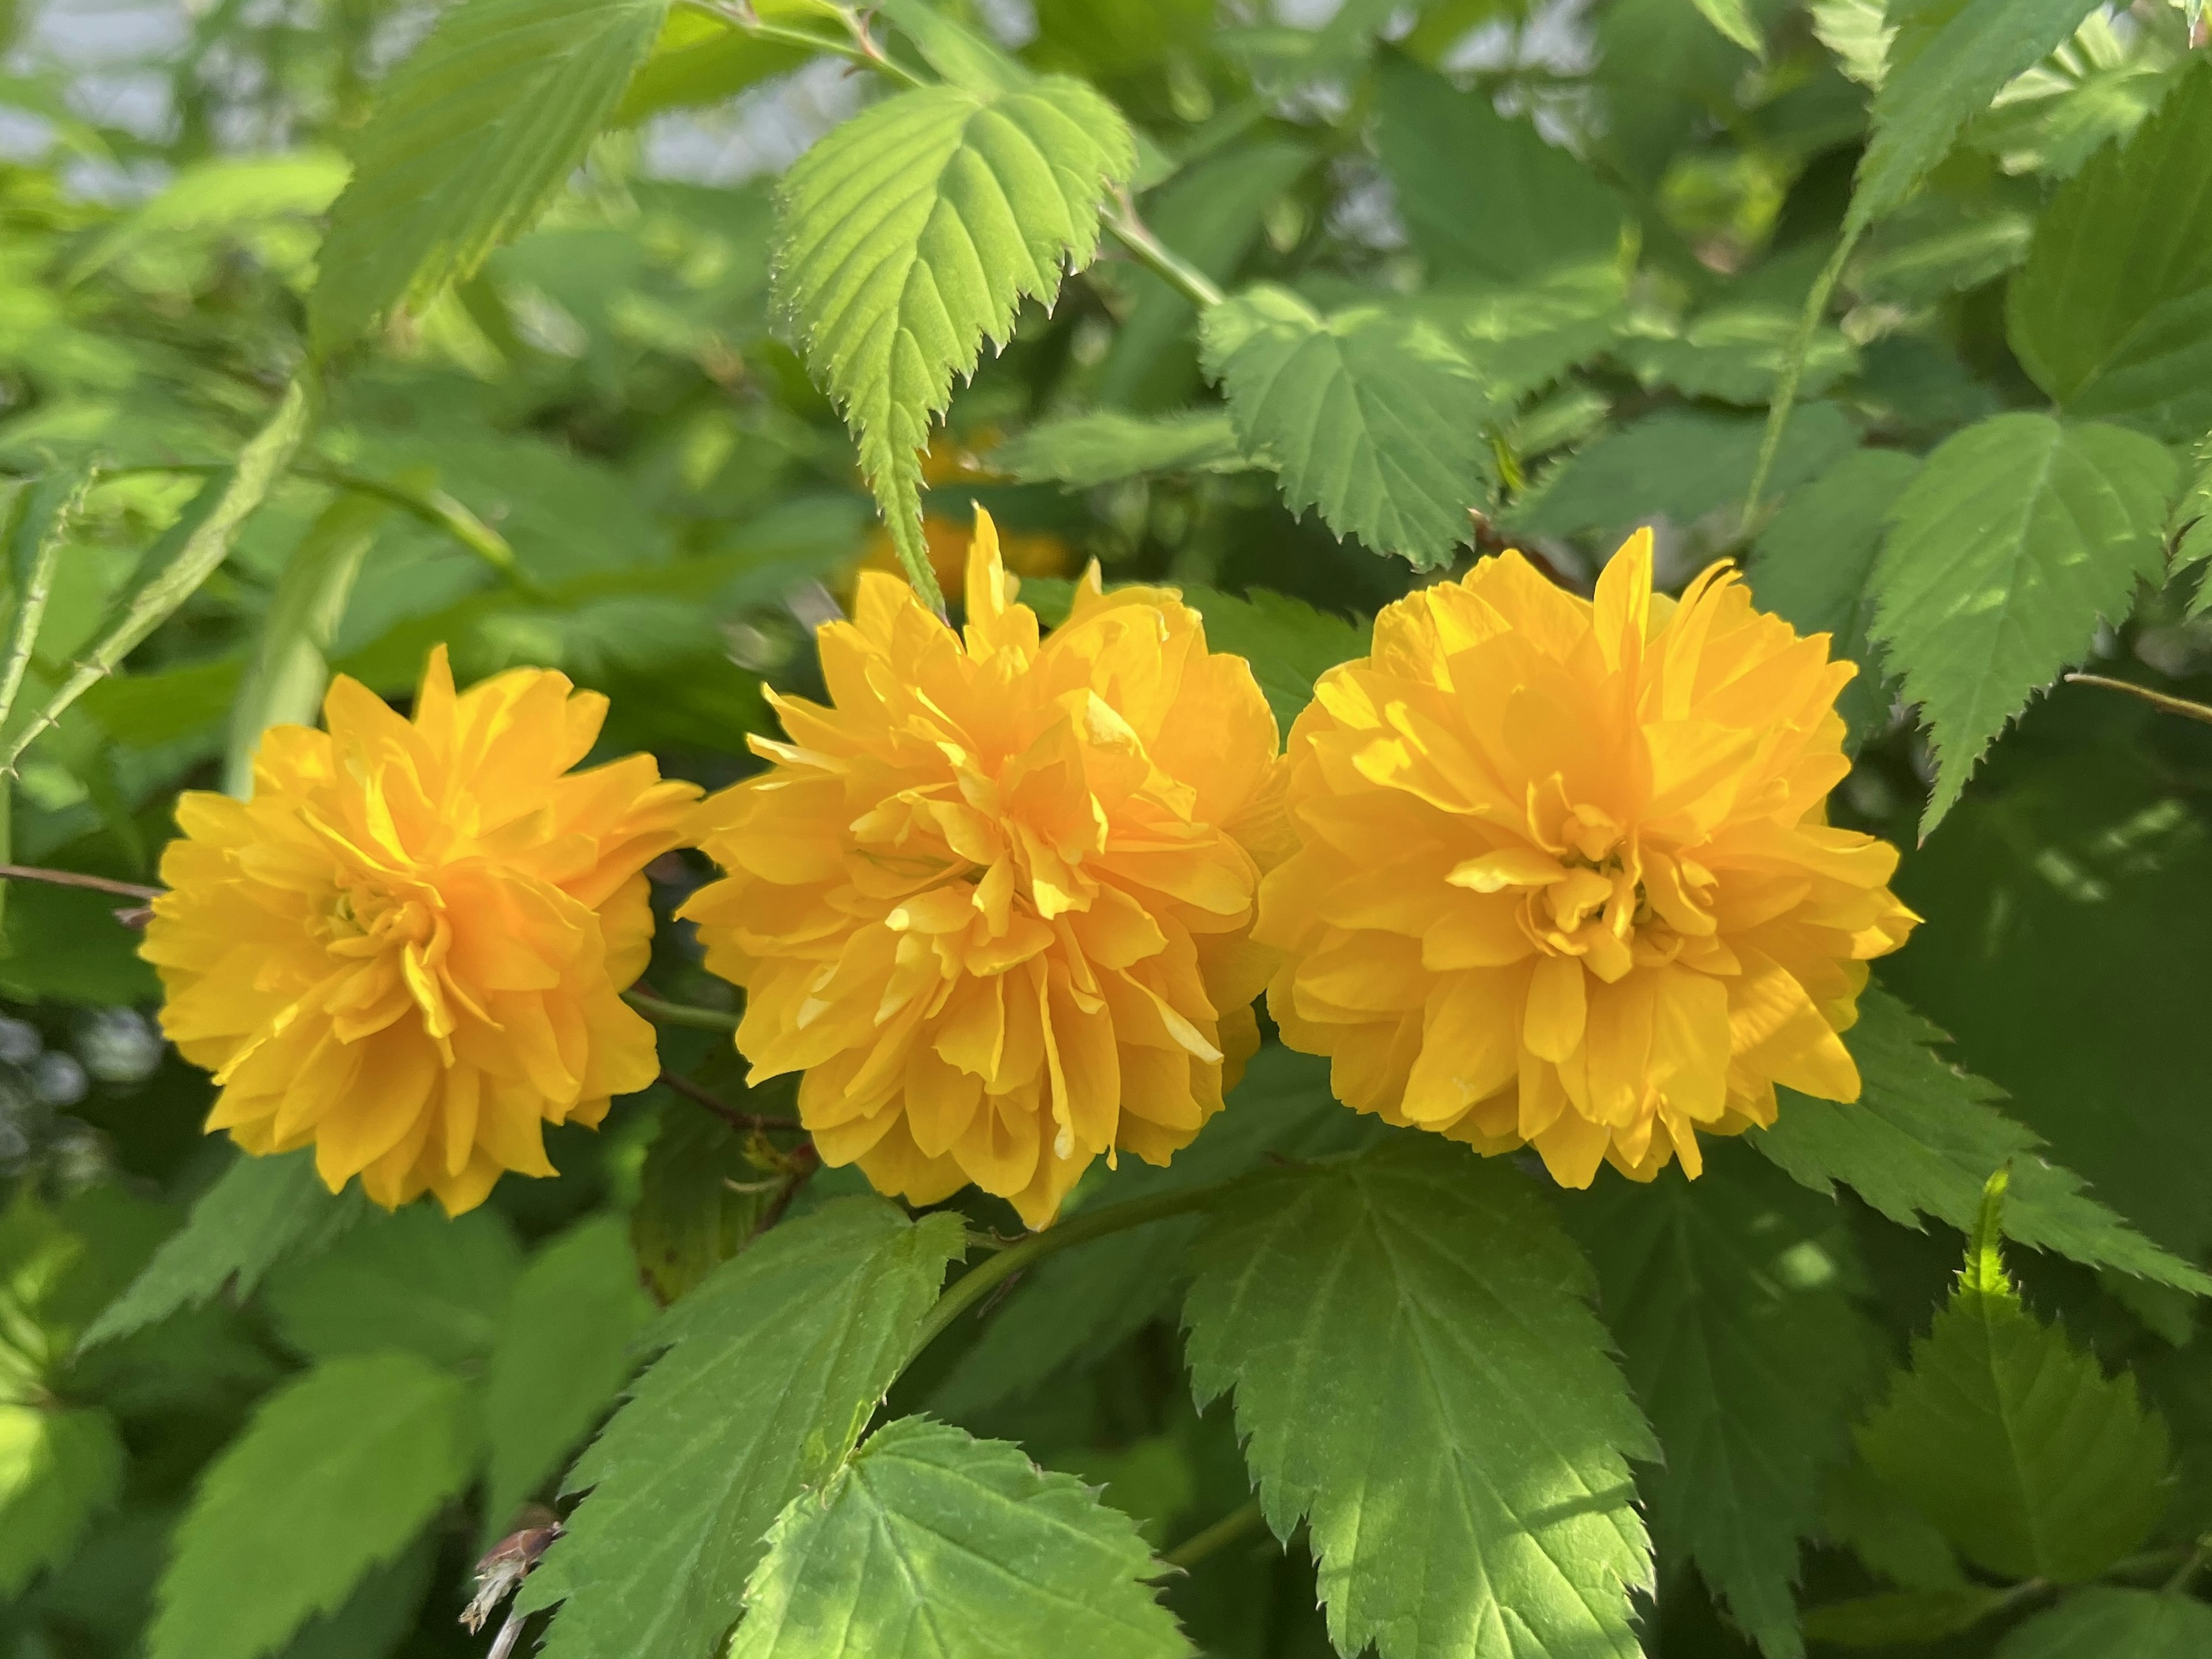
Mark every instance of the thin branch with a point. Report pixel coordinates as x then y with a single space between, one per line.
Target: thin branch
805 1161
1134 235
858 46
680 1013
2182 706
2190 1568
729 1113
77 878
1208 1541
1793 368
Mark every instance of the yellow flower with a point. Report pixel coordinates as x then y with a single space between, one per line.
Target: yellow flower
994 901
1567 876
408 947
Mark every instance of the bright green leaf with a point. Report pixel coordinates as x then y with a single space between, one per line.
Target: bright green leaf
563 1351
225 192
337 1471
928 1544
911 234
2102 1622
58 1470
2019 536
700 60
772 1366
1418 1374
1370 414
1858 32
1733 19
411 1280
474 129
2112 314
1923 1136
1082 451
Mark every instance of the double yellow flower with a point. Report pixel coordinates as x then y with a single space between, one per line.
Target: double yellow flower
1537 871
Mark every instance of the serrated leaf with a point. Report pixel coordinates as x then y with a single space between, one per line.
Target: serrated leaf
1370 414
1485 197
1733 19
476 129
2030 1460
2102 1622
772 1368
910 236
1947 61
1289 644
698 60
336 1473
1858 32
1923 1136
564 1349
695 1208
1731 1305
1520 340
2112 314
1813 563
1082 451
1074 1306
258 1212
411 1280
2019 536
58 1470
1735 355
928 1544
1418 1374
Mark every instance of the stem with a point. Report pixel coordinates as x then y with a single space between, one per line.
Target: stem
807 1161
859 47
1209 1540
74 878
2190 1568
38 583
1793 367
1132 233
2182 706
729 1113
680 1013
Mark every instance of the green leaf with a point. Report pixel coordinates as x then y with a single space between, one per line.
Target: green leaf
1289 644
1521 339
930 1543
2032 1461
1733 19
1483 197
1735 355
476 129
1858 32
1082 451
43 517
225 192
58 1470
1812 564
261 1210
337 1471
1892 1617
1923 1136
1419 1374
411 1280
1948 59
2102 1622
2112 314
700 60
913 232
563 1351
1370 414
2019 536
691 1216
773 1367
1731 1304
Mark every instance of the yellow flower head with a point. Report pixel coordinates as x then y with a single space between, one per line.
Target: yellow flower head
994 900
408 946
1566 875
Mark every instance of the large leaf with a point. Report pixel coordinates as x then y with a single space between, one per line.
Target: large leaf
1418 1375
475 130
1370 414
1731 1304
2104 1623
772 1366
1813 564
337 1471
562 1353
928 1544
2019 536
1947 59
58 1470
2032 1461
1484 197
259 1211
910 234
2112 314
1924 1137
411 1280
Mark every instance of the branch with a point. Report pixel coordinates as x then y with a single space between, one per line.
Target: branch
729 1113
2182 706
680 1013
1134 235
1208 1541
1793 367
76 878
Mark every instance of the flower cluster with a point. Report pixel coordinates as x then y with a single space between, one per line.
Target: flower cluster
1537 871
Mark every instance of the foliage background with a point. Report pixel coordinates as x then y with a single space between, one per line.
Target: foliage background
1568 294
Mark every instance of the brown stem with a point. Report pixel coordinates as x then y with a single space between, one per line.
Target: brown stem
729 1113
77 878
2182 706
805 1161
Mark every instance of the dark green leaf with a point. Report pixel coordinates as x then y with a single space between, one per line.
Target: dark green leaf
1289 644
58 1470
2104 1623
1084 450
1892 1617
698 1201
1735 355
411 1280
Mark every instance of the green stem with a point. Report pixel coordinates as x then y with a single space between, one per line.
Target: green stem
2190 1568
1793 367
1132 233
680 1013
38 582
2182 706
859 47
1245 1518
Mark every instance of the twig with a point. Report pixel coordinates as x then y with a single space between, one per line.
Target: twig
805 1161
77 878
1132 233
859 47
722 1109
680 1013
2190 1568
2182 706
1208 1540
1793 368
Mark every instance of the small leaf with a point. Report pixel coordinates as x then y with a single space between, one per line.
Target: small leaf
1891 1617
1858 32
773 1367
1735 355
58 1470
1082 451
411 1280
694 1212
1733 19
2102 1622
337 1471
1924 1137
261 1210
1370 414
1418 1374
563 1351
2030 1460
929 1542
912 233
2019 536
700 60
1289 644
476 129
